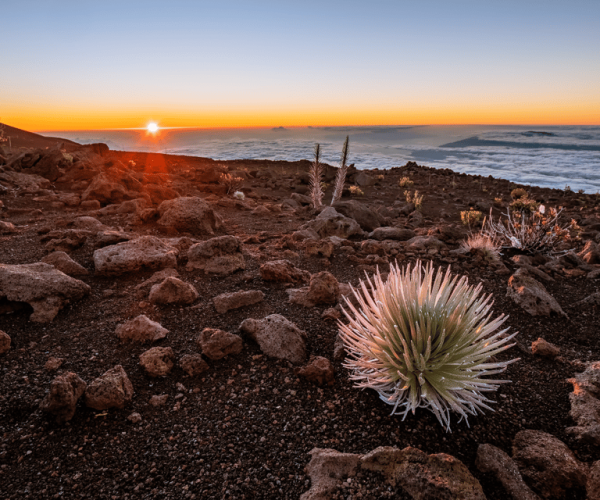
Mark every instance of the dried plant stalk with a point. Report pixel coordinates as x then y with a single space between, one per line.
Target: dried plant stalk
340 177
315 179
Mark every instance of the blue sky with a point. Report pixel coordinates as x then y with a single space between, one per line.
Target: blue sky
359 62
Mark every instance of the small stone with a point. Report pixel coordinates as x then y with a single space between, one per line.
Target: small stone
228 301
277 337
217 344
283 271
53 364
331 314
135 418
173 291
141 329
158 401
157 361
319 371
61 402
193 364
545 349
111 390
4 342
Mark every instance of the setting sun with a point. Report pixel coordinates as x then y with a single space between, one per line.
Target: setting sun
152 127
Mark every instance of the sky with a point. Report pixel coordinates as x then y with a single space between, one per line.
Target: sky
80 65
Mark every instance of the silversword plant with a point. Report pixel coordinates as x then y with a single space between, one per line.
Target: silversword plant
424 340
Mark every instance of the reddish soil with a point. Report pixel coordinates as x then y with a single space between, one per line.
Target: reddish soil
244 428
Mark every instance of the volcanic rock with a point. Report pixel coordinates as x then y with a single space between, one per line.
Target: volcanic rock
234 300
392 233
531 295
45 288
111 390
216 344
319 371
173 291
548 465
157 361
544 349
367 219
493 460
141 329
331 223
193 364
283 271
422 476
220 255
590 253
7 227
318 248
585 405
143 289
192 215
4 342
65 390
146 251
64 263
277 337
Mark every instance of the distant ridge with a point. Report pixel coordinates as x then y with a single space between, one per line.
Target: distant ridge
23 139
476 141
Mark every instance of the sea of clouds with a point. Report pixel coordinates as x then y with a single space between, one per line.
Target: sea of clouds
546 156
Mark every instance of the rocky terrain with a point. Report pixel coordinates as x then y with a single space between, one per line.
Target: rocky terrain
161 338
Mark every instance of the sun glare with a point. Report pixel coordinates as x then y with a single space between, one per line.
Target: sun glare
152 127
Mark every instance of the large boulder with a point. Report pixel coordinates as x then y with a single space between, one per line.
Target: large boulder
173 291
216 344
220 255
548 465
492 460
331 223
277 337
112 186
111 390
42 286
144 252
531 295
141 329
189 214
422 476
367 219
61 401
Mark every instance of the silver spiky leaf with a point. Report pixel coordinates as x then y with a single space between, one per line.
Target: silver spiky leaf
424 340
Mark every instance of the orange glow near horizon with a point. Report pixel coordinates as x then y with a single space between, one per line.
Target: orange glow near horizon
48 118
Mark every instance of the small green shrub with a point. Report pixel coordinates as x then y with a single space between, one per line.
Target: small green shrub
471 217
405 182
518 193
524 205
